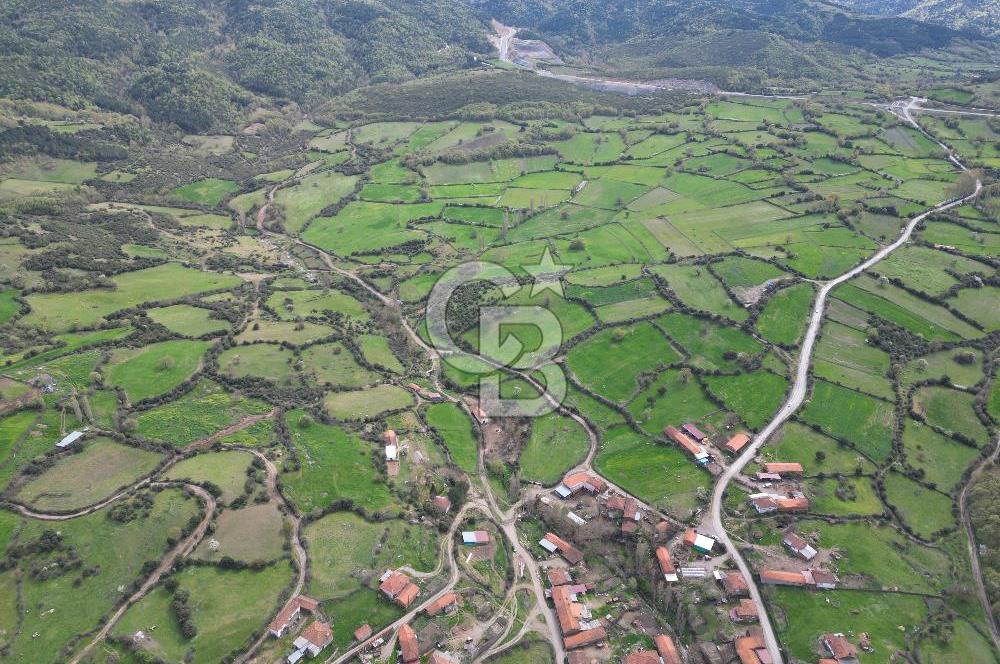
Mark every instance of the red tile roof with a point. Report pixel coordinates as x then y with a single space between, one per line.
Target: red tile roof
666 563
667 650
390 437
839 646
690 536
746 610
394 584
642 657
409 649
409 593
363 632
441 503
694 432
734 583
567 611
737 442
583 480
796 504
441 604
566 550
559 577
750 648
683 441
783 468
585 638
780 578
319 634
290 610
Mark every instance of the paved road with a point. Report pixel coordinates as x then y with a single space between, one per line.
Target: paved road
795 398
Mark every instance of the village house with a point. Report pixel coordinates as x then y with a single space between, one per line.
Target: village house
363 633
682 440
312 641
842 650
441 504
642 657
409 648
475 537
446 604
666 564
698 542
555 544
737 442
768 477
784 469
423 393
751 650
479 414
666 649
580 481
797 545
733 583
290 613
744 612
559 576
631 516
397 587
578 626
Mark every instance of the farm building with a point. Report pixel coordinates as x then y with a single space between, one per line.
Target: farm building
682 440
409 649
389 437
475 537
698 542
446 603
642 657
479 414
815 578
842 650
694 432
666 564
424 393
784 469
69 439
737 442
555 544
578 626
797 545
586 638
313 640
289 613
580 481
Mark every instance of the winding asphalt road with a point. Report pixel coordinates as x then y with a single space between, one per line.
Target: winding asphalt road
795 399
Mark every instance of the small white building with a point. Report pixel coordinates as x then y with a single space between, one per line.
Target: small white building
69 440
391 453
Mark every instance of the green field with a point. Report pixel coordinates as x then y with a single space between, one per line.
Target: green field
755 397
209 191
252 534
656 473
951 410
155 369
557 443
365 404
78 480
863 421
203 411
335 465
303 201
785 315
455 429
923 510
61 311
610 361
227 470
344 547
187 320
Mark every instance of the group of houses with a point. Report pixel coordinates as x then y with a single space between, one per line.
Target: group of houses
578 626
783 499
665 653
313 639
410 651
751 649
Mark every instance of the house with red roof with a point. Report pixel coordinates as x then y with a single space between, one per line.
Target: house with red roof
559 576
744 612
666 563
362 633
314 638
555 544
683 441
581 481
397 586
842 650
693 431
289 613
441 504
737 442
797 545
446 603
785 469
734 584
666 649
409 648
751 650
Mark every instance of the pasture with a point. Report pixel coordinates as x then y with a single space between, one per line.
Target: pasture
150 371
557 443
368 403
227 470
203 411
455 429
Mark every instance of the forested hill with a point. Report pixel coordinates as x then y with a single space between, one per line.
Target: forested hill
980 15
199 62
589 21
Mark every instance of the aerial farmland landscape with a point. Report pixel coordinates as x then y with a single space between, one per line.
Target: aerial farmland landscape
501 332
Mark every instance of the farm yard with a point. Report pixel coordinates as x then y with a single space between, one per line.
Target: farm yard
255 332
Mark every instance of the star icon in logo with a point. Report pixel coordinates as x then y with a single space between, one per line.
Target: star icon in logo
546 274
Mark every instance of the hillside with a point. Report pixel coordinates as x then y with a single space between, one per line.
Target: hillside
980 15
199 63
